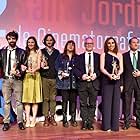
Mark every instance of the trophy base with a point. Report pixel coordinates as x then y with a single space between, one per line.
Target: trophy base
66 74
89 79
46 68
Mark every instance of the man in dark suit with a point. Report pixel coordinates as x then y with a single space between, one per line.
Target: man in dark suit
11 59
131 82
87 71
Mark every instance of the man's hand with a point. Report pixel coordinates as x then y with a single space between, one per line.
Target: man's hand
93 76
136 73
23 67
85 77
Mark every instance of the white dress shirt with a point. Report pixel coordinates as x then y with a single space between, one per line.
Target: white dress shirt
13 58
87 61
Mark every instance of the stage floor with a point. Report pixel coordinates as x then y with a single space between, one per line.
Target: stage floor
60 133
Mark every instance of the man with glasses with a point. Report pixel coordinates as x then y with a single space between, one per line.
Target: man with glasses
87 72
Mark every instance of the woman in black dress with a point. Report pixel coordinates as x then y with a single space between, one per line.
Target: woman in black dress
111 66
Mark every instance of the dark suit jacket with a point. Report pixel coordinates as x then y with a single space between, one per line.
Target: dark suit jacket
128 69
20 56
80 69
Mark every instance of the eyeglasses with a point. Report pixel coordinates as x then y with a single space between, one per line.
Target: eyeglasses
88 43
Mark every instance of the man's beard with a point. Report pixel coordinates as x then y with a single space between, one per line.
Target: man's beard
12 44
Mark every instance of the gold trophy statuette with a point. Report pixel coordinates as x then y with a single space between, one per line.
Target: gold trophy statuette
14 71
45 63
30 64
114 69
89 73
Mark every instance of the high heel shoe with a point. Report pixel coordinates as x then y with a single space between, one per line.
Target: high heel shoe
33 123
27 124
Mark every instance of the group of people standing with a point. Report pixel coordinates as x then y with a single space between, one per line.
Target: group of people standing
29 76
33 75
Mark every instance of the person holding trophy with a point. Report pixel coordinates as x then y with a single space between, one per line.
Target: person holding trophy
111 65
66 81
49 74
32 86
87 71
11 59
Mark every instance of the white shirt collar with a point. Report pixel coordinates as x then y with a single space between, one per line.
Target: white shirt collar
136 52
10 48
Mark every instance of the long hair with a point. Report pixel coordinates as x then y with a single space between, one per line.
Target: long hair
106 45
35 48
66 46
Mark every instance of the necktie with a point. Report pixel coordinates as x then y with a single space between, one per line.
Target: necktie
134 61
89 63
9 62
89 59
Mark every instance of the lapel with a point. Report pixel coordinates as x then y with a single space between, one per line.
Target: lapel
6 55
83 61
93 59
138 62
129 63
17 53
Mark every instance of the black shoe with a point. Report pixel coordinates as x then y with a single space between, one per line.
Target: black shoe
66 124
21 126
6 127
90 126
84 125
74 123
126 126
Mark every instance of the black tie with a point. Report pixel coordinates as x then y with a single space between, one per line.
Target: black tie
89 59
9 62
89 63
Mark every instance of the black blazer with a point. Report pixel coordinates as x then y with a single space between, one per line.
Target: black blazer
80 69
128 69
20 56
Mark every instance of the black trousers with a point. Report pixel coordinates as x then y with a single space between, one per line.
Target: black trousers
71 96
110 106
88 96
128 99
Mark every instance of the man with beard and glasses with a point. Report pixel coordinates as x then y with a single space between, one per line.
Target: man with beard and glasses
11 59
48 74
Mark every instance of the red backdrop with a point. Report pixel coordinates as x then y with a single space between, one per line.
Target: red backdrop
71 19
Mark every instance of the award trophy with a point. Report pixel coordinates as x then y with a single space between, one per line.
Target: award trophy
30 64
89 73
114 69
64 74
15 69
45 63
